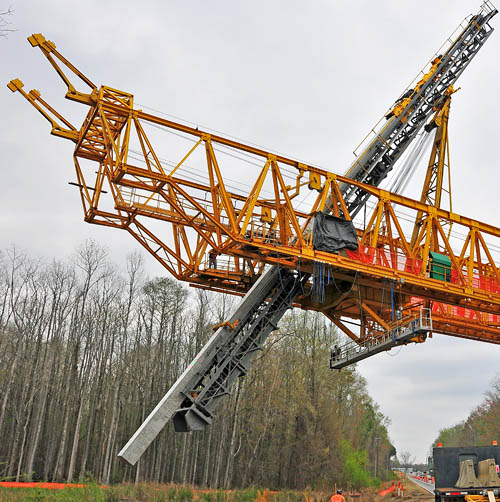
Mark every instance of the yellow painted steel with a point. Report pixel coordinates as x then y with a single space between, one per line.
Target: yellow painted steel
252 227
403 102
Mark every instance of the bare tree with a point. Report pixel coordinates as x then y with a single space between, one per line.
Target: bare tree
85 354
4 24
406 459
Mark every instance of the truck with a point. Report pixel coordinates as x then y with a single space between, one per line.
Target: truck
466 473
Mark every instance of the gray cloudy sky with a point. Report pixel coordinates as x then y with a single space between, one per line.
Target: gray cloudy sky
305 78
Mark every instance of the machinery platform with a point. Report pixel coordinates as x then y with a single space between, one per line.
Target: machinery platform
412 329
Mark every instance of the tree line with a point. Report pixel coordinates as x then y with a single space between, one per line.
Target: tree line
87 351
481 427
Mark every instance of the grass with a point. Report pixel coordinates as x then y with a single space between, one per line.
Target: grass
91 492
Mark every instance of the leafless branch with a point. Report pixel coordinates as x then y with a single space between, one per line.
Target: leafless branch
4 24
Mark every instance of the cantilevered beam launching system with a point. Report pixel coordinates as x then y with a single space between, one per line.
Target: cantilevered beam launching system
135 188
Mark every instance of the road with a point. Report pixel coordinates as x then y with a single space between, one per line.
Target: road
423 484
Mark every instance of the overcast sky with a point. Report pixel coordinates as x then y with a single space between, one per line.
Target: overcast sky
308 79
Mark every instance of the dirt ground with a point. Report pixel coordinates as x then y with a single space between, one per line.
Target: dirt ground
165 493
412 493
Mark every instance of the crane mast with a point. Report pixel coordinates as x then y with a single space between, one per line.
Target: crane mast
414 107
261 228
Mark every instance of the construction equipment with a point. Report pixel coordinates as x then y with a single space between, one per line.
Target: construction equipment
295 217
466 473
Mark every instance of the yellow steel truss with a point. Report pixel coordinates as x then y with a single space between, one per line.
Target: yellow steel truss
193 196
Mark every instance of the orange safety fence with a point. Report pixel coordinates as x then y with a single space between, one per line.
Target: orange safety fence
262 495
47 486
388 490
453 311
398 261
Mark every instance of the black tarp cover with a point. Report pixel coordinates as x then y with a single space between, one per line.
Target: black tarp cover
332 234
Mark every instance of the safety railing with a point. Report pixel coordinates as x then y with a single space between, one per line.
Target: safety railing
403 330
488 7
434 270
455 311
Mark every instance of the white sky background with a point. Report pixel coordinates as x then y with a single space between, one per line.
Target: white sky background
308 79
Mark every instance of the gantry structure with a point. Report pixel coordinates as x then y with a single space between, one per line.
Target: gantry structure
230 217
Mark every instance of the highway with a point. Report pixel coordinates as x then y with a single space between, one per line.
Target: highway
426 486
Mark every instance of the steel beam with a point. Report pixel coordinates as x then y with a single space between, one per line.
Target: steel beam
175 397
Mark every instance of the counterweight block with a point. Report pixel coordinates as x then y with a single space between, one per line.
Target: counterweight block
190 419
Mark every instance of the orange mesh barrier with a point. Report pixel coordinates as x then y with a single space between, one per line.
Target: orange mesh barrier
387 491
48 486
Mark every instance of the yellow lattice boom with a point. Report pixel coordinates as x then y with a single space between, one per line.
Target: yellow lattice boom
183 193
